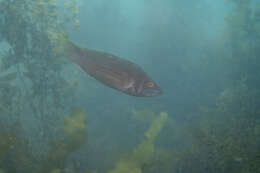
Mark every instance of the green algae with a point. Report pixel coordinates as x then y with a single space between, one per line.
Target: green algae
75 132
134 161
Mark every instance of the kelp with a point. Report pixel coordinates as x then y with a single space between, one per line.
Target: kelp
225 134
16 153
135 160
39 89
75 136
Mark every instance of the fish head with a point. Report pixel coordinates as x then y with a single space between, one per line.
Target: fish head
142 88
148 88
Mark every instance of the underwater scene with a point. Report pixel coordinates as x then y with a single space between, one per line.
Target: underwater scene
129 86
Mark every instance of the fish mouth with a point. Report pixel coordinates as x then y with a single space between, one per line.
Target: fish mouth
152 92
157 92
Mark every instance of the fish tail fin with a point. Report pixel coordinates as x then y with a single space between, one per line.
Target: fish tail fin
64 47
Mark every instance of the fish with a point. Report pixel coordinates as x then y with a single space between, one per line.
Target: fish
113 71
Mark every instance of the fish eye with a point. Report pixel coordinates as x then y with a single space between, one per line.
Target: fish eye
150 84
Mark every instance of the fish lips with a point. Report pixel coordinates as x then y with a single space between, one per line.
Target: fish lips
151 92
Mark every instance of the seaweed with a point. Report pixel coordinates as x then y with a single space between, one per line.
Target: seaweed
135 160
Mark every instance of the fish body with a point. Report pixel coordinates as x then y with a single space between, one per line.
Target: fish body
113 71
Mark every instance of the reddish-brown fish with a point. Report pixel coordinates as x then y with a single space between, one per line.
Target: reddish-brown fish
113 71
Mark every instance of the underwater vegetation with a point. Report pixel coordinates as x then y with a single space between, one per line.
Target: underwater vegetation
38 90
16 153
222 135
13 146
229 140
75 135
135 160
